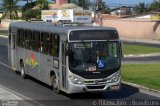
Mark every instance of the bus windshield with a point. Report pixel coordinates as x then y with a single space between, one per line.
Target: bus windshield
94 57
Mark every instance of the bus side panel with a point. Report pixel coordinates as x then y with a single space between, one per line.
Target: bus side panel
32 63
35 65
46 62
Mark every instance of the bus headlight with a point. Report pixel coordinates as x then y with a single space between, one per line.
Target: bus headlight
75 80
114 78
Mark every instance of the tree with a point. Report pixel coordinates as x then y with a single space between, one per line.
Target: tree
27 10
11 9
43 4
102 7
29 14
33 9
155 5
29 5
141 8
71 1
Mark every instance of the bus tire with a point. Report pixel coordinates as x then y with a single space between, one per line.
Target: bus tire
55 84
22 70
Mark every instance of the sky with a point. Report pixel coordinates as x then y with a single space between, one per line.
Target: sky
126 2
113 2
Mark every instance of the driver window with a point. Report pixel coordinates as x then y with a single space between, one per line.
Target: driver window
112 49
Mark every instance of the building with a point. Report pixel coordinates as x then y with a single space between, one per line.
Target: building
63 4
62 11
122 11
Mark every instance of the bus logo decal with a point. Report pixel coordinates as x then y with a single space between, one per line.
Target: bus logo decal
31 61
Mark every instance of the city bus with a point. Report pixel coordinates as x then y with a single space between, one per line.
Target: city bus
72 59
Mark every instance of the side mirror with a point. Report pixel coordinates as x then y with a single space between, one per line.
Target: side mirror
121 49
67 52
66 49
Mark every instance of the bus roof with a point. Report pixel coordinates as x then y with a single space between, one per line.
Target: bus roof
50 27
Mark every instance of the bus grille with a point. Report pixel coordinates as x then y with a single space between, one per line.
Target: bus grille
95 82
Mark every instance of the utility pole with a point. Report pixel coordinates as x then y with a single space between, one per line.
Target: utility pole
97 10
94 10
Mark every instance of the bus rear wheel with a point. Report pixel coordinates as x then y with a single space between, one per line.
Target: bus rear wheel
22 70
55 84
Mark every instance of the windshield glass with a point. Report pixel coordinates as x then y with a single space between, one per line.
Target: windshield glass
94 57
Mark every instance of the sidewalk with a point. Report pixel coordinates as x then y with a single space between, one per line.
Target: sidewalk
7 95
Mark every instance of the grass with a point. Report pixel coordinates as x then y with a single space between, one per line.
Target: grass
133 49
147 75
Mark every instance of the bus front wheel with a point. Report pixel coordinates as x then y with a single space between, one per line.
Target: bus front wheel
55 84
22 70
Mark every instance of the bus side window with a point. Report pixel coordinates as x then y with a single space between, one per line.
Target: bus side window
36 41
9 36
29 39
54 45
21 38
45 42
18 37
25 37
113 49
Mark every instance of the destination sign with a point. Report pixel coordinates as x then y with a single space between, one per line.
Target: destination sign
93 35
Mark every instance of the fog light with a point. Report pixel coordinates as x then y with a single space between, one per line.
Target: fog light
115 87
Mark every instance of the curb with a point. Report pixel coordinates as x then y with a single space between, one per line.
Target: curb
142 55
144 41
143 89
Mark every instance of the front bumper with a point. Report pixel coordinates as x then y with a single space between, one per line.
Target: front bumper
79 88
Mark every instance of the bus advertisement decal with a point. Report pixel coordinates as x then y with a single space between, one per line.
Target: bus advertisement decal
31 61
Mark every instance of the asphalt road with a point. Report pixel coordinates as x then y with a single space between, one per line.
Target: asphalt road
39 93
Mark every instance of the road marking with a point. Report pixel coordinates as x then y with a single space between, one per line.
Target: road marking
6 65
16 93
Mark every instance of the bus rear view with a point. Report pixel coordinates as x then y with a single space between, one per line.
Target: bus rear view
94 60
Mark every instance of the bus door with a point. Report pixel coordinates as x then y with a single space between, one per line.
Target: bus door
63 60
13 48
9 47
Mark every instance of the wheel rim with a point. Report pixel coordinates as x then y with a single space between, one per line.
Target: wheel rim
55 83
22 71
